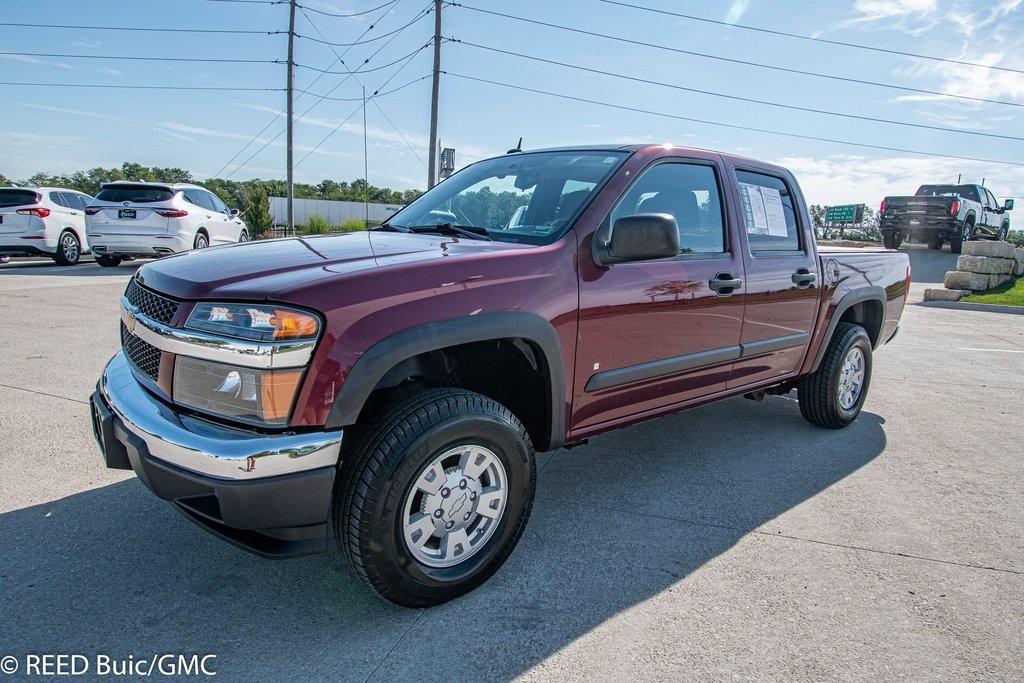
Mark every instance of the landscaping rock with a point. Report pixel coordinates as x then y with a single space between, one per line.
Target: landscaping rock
995 280
984 264
974 281
985 248
945 294
1018 269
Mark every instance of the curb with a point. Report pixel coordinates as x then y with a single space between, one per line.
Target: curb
964 306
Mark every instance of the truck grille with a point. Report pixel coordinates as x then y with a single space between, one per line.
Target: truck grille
152 305
144 356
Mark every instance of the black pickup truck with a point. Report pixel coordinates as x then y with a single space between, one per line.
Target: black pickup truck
936 214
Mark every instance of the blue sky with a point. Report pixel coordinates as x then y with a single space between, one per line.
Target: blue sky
55 128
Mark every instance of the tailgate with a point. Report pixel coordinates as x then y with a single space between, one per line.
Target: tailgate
130 219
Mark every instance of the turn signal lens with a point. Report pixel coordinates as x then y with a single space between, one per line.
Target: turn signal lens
293 325
954 207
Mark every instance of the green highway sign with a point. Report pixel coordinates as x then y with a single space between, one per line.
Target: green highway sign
849 213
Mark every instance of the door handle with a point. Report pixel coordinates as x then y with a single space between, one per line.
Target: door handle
725 284
803 277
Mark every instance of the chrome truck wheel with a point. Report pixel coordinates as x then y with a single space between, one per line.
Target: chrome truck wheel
433 496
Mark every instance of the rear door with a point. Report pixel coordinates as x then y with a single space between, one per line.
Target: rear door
782 278
656 333
227 230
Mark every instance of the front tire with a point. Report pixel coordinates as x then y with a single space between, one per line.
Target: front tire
833 395
108 261
69 249
436 496
201 241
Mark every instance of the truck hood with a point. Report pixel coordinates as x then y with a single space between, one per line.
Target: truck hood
270 269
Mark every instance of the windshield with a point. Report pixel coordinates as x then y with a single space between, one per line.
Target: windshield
526 198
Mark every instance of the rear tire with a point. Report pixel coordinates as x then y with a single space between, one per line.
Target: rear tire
436 495
108 261
833 395
201 241
956 244
69 249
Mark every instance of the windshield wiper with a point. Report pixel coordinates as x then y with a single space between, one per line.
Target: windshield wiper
388 227
472 232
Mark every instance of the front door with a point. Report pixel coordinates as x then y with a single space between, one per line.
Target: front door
657 333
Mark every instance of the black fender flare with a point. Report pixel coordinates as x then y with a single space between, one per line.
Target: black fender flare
850 299
390 351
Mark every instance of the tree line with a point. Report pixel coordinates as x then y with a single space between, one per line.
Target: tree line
251 197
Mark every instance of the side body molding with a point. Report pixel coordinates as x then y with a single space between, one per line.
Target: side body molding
389 352
851 298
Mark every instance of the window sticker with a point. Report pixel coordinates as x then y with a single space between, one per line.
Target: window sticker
762 210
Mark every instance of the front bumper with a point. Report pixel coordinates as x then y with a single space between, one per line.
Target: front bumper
268 494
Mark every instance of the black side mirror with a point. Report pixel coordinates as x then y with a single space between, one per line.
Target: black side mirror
637 237
1008 205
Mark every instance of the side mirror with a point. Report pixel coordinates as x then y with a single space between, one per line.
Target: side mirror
1008 205
637 237
233 213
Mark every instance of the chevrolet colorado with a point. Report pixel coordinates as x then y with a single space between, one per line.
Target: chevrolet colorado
396 384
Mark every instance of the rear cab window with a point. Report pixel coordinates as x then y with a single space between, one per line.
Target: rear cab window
134 194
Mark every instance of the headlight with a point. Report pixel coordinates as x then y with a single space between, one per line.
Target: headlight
257 322
245 394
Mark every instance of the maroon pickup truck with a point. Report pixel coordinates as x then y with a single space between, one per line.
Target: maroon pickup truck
397 383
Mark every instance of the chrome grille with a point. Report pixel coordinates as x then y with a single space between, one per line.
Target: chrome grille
144 356
152 305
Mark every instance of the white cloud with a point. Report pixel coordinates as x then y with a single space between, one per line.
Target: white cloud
107 71
852 179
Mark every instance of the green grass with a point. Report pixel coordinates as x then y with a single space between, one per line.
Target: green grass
1008 294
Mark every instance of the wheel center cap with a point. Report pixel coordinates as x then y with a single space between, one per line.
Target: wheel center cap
453 507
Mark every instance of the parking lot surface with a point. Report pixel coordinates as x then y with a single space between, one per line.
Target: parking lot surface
730 541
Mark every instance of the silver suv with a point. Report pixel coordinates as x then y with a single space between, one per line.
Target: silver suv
127 220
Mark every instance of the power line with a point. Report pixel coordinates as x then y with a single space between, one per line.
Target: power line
365 71
738 98
678 117
142 87
813 39
379 93
771 67
371 40
146 59
381 109
274 120
145 28
393 34
304 8
253 2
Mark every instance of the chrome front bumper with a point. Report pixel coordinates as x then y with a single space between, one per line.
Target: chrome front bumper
207 448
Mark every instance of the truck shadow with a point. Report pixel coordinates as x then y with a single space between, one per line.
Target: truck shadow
115 571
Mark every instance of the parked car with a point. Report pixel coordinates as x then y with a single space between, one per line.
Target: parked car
43 221
398 382
128 220
936 214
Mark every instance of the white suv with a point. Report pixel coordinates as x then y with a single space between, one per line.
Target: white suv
153 219
43 221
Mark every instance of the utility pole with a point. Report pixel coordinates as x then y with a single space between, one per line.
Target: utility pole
291 122
366 168
432 169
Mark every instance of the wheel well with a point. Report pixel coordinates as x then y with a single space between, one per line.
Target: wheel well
510 371
868 314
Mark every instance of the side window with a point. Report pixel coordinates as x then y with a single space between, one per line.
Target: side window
192 197
687 192
218 205
992 203
769 212
58 198
199 198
